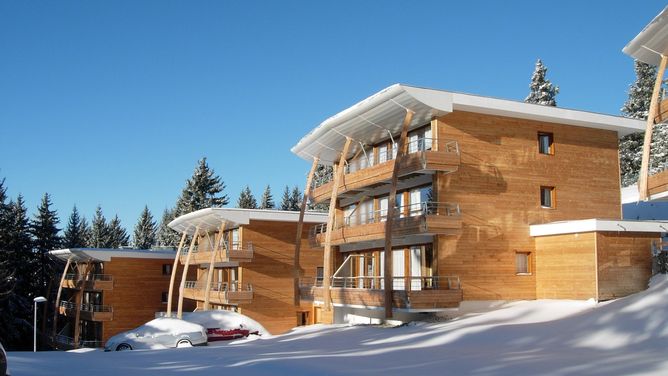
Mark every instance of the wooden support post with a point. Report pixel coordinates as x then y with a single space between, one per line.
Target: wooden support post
173 276
212 259
643 189
327 254
77 306
57 304
391 203
179 309
296 269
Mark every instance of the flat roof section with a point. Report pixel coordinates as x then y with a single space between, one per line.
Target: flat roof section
591 225
211 219
377 117
105 254
651 42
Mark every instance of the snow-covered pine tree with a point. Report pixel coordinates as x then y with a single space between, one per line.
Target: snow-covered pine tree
295 199
203 190
145 231
75 233
285 200
166 237
267 201
640 93
246 199
118 237
99 236
45 238
322 174
541 89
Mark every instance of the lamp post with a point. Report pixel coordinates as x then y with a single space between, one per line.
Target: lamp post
39 299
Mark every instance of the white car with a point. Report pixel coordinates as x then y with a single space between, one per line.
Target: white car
163 332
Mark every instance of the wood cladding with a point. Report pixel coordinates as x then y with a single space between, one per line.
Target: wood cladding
416 299
658 183
624 263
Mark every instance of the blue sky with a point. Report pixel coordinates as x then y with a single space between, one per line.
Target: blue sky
113 103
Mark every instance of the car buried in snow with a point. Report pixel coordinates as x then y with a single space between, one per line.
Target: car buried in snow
160 333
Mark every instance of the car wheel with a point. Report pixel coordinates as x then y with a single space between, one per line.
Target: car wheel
184 343
123 347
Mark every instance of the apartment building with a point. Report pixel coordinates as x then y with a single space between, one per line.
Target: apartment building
439 197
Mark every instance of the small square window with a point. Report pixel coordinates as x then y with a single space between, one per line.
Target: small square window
547 197
545 143
522 265
166 269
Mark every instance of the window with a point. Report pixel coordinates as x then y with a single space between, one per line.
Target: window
522 263
164 297
319 275
545 143
547 197
166 269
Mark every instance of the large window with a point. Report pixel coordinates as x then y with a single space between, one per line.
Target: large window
545 143
522 264
547 197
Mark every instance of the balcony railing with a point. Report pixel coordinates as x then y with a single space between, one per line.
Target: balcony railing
86 307
377 282
69 341
219 286
229 251
90 277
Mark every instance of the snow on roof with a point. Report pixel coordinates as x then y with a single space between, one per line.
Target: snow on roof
591 225
652 41
105 254
211 219
373 119
225 320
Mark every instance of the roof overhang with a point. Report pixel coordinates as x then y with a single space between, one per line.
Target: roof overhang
592 225
105 254
375 118
211 219
651 42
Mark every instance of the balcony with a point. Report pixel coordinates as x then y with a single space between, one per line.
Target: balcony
220 292
658 183
662 116
411 293
93 282
89 312
225 252
424 156
426 218
68 343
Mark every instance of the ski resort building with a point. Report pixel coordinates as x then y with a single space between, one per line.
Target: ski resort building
103 292
439 197
245 261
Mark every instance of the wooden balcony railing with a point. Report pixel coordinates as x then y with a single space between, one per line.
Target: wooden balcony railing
90 312
424 156
225 252
98 282
658 183
220 292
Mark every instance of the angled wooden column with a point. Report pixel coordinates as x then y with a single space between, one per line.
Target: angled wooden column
77 306
643 189
179 309
327 254
60 290
300 226
391 203
173 276
212 259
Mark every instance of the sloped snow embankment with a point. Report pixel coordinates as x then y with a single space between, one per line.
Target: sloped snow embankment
549 337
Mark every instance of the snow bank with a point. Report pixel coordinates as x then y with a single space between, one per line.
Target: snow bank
225 320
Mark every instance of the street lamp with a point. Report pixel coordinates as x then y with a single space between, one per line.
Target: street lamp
39 299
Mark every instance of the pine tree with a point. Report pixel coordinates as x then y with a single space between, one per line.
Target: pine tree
167 237
295 199
203 190
267 201
99 236
75 232
246 199
541 89
322 174
118 237
640 93
45 238
285 200
145 231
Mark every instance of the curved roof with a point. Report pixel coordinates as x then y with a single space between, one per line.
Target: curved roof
652 41
105 254
375 118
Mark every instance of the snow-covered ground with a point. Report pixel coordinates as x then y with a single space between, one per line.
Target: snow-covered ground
624 337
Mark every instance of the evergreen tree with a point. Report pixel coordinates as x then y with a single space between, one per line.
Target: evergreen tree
295 199
118 237
45 237
203 190
640 93
267 201
99 236
322 174
541 89
246 199
167 237
76 230
285 200
145 231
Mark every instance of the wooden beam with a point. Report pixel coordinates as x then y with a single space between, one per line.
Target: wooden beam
60 290
179 309
173 276
653 107
77 306
327 254
391 203
296 269
212 259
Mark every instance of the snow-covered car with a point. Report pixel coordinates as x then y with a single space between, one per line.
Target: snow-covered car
225 325
160 333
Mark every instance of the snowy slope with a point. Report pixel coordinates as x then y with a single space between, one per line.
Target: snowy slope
548 337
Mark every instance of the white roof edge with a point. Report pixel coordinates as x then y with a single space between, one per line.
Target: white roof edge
592 225
105 254
651 41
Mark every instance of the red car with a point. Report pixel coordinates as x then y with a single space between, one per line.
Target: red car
218 334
